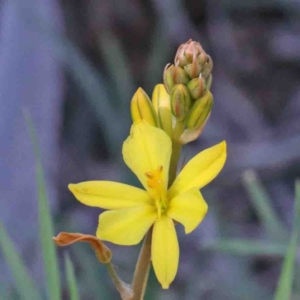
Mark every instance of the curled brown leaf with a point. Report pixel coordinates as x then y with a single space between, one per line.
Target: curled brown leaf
102 252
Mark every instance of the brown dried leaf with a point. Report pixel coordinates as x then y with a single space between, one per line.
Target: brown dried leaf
102 252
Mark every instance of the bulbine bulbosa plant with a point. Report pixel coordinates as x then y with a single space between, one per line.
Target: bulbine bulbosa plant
176 115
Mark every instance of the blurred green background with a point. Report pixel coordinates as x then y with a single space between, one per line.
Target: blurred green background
73 66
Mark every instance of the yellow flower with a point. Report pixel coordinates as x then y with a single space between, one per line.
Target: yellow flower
132 211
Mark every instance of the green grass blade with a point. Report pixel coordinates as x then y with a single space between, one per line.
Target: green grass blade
71 279
263 206
45 221
246 247
159 55
118 68
4 290
153 287
25 286
89 80
92 278
285 283
93 86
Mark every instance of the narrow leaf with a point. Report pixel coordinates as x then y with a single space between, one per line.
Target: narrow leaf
263 206
89 80
118 67
284 287
25 286
246 247
92 278
45 221
4 292
95 92
159 54
71 279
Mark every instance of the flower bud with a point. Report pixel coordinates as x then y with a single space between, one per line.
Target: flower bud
174 75
187 52
193 69
200 111
193 59
162 106
160 97
142 109
180 76
168 78
207 67
180 101
197 118
196 87
209 82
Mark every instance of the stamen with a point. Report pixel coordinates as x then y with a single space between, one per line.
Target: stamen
149 175
155 178
156 183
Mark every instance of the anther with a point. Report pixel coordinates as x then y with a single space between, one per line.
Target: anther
149 175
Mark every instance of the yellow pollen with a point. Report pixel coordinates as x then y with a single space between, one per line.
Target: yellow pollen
156 183
155 178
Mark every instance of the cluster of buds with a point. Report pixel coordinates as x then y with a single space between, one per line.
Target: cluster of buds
184 97
188 82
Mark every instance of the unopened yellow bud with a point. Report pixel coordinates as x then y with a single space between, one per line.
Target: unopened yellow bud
162 105
200 111
180 101
142 109
197 118
196 87
160 97
168 78
174 75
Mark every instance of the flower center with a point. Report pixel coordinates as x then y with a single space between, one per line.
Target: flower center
156 184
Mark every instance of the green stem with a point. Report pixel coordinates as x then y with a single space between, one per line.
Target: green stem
176 150
141 273
142 269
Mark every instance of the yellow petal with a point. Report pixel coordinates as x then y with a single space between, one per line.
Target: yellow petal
200 170
109 195
165 251
126 226
146 149
188 208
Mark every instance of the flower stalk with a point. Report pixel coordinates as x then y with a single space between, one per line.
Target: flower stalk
176 150
142 269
